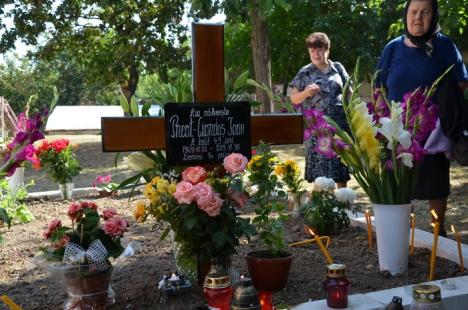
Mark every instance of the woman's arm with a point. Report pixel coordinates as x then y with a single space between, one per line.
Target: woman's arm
298 97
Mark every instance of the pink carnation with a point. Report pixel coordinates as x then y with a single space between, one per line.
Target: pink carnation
183 193
194 175
108 213
211 205
74 211
235 163
115 226
51 228
202 191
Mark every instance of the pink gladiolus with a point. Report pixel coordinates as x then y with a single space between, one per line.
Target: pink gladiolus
211 205
115 226
194 175
324 146
108 213
183 193
235 163
51 228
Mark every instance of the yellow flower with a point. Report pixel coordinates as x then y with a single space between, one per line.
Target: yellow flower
171 188
139 211
162 185
365 134
253 161
291 164
279 170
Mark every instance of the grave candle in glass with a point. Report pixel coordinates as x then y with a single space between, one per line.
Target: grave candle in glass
218 291
337 286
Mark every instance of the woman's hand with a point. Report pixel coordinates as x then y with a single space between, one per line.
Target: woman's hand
298 97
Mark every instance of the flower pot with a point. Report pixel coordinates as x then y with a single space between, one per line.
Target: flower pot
66 190
88 290
392 226
268 273
16 180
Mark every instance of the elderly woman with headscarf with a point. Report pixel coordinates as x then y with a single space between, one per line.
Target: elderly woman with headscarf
417 59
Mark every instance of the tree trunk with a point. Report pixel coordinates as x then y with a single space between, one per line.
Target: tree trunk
261 57
129 86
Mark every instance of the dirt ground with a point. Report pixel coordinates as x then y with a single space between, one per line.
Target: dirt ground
135 285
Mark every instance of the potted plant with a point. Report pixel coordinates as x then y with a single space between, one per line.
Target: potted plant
59 159
104 185
201 210
84 250
269 268
383 150
325 213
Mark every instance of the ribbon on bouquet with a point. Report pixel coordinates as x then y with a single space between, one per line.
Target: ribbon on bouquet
96 255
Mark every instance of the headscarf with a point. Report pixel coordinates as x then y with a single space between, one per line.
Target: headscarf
423 41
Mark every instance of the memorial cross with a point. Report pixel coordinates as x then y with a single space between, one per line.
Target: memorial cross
148 133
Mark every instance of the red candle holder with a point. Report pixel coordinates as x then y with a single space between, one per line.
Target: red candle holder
266 300
337 286
218 291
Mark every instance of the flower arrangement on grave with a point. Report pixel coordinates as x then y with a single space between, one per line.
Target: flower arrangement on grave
200 208
83 251
326 210
19 150
59 160
104 185
269 199
383 147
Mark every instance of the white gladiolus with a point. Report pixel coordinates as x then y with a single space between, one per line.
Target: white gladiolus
345 195
393 130
324 184
407 159
138 161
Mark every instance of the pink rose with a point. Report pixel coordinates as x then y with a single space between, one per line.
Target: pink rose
211 205
63 241
88 205
51 228
74 211
235 163
115 226
194 174
202 191
108 213
183 193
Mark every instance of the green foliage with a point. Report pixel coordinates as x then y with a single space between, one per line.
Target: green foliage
12 201
325 213
270 211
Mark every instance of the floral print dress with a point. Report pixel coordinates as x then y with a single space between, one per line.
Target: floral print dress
328 100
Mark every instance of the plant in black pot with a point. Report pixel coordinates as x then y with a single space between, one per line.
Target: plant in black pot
269 268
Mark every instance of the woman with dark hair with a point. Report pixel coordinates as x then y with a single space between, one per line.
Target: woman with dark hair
417 59
319 85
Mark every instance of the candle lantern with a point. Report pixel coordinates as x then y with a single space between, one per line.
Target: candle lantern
337 286
245 296
426 297
217 289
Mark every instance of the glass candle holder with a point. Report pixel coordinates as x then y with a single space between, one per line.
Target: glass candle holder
336 286
217 289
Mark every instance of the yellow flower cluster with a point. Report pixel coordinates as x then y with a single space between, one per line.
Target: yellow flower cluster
289 166
365 134
157 191
256 162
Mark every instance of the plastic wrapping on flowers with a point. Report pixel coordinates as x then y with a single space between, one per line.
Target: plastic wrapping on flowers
88 286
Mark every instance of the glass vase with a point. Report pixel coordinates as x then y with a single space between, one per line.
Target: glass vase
66 190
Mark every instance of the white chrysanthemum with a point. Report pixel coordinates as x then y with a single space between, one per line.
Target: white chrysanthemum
324 184
345 195
138 161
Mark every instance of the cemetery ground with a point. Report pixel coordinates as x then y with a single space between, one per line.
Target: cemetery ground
135 285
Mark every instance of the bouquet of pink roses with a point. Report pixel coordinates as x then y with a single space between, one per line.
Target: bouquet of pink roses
201 208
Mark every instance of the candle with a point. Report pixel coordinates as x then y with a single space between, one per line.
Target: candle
369 228
9 302
307 241
413 227
434 250
460 254
322 247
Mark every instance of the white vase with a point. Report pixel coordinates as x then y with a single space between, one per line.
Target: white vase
66 190
392 227
16 180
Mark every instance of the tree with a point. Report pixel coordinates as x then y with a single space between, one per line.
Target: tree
112 40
